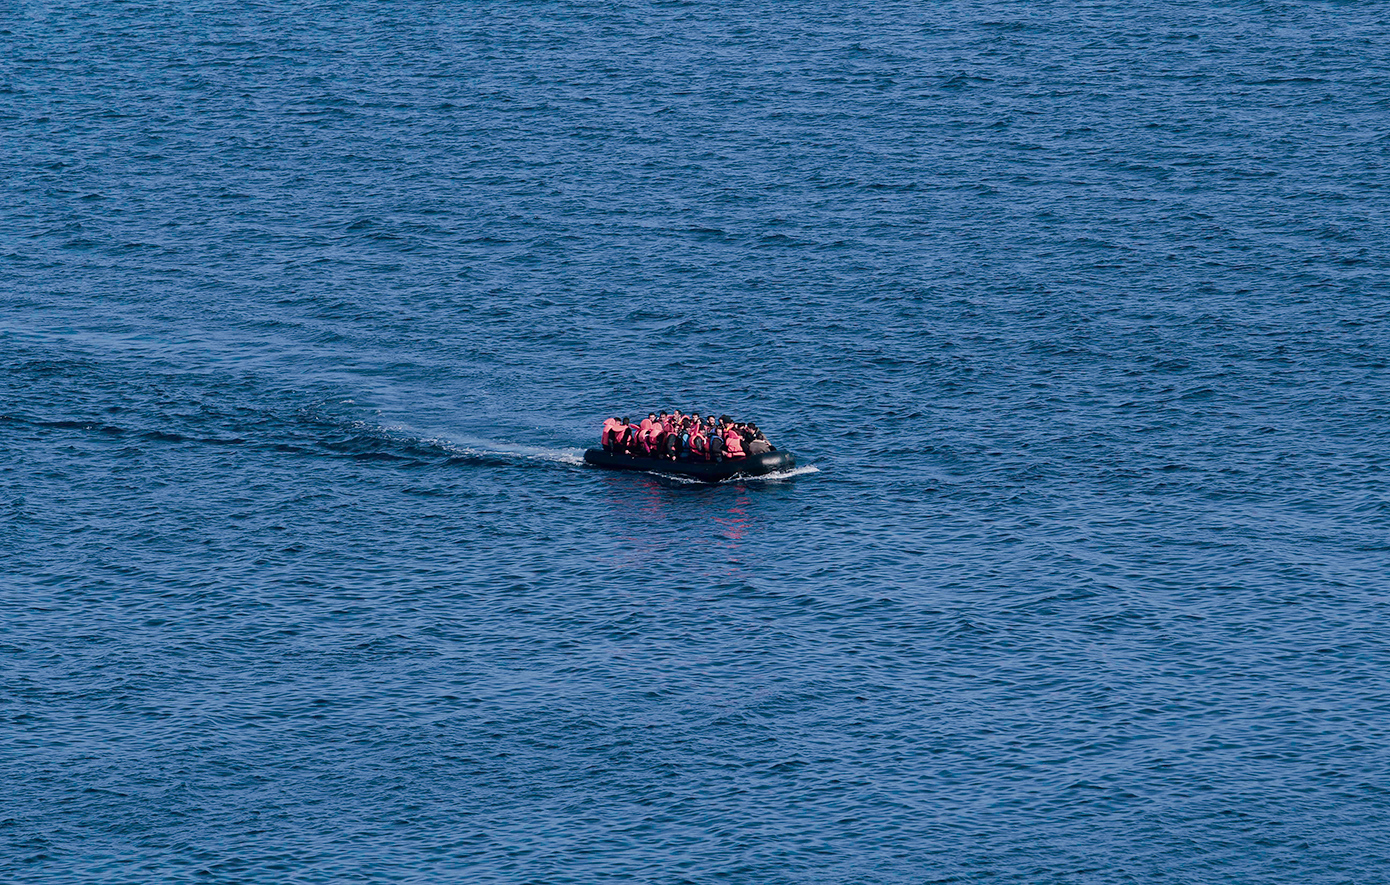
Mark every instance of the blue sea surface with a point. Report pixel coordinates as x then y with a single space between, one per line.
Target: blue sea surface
1076 316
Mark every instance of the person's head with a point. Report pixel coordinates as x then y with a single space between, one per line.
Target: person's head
624 420
651 415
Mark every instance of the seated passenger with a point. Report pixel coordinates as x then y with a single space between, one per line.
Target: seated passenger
698 443
682 438
627 439
758 445
651 440
733 443
611 436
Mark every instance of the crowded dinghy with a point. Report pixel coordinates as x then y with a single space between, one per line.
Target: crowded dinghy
709 449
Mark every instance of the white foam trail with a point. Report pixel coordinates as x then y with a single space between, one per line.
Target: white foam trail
562 456
780 475
494 449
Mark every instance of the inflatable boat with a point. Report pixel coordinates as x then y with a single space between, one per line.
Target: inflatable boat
708 471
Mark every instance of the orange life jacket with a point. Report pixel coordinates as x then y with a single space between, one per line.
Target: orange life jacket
650 438
612 432
733 445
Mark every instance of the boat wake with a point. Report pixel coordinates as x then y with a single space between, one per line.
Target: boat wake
804 470
491 449
363 438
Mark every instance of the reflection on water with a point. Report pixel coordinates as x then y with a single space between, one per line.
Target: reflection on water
736 521
660 520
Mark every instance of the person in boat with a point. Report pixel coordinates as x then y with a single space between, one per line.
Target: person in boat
757 443
613 434
733 442
698 443
651 443
679 438
674 442
715 436
642 436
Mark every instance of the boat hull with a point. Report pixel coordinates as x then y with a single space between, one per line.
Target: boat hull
708 471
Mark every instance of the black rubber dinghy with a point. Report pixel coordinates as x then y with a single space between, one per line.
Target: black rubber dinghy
708 471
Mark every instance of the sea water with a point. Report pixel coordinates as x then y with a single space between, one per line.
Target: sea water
1075 315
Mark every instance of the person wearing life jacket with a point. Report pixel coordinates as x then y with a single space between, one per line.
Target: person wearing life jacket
697 428
698 444
733 443
651 440
612 434
682 438
641 433
715 440
670 442
627 439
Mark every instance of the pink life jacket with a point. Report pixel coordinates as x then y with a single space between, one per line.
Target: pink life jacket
639 433
651 439
699 444
733 445
612 432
